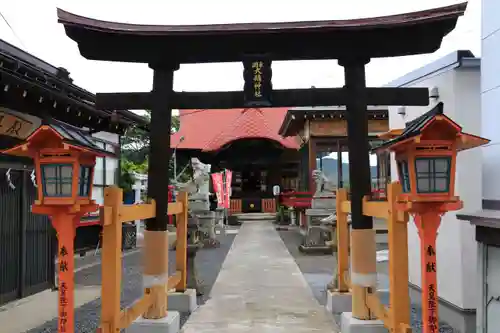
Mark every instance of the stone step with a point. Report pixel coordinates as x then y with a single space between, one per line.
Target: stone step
256 216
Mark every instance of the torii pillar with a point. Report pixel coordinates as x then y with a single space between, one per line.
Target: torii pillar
363 247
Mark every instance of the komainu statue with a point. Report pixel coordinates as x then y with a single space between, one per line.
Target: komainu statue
199 204
199 184
324 195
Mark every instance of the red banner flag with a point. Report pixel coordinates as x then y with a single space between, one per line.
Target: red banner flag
227 188
218 187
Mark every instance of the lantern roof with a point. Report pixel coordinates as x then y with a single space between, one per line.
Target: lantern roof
56 134
391 134
422 125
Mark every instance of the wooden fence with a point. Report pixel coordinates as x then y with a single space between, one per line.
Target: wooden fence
269 205
234 206
112 215
396 317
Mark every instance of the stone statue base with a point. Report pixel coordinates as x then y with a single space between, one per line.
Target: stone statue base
197 203
324 200
207 223
193 247
318 235
191 272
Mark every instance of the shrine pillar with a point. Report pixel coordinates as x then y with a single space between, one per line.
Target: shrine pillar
311 162
340 175
155 270
363 247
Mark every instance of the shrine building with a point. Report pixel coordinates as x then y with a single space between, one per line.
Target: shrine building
247 142
322 131
269 146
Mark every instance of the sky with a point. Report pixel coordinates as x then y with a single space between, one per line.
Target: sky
36 30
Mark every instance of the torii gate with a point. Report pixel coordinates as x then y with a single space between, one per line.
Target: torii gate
352 42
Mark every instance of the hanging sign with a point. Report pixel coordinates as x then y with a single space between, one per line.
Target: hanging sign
218 187
227 188
258 87
15 126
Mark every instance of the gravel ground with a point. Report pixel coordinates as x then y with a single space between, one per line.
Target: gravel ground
209 262
318 271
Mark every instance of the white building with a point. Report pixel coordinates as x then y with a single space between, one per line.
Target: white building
487 220
455 81
490 99
489 309
106 170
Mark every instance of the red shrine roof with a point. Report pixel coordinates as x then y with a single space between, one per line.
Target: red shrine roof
210 130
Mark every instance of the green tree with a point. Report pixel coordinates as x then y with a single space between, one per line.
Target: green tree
135 151
128 168
135 142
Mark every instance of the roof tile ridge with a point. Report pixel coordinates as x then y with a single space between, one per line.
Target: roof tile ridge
260 114
245 114
222 132
266 124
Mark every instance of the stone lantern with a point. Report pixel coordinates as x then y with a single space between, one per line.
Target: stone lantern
425 152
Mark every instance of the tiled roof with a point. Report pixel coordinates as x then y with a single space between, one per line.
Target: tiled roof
70 135
56 93
209 130
74 135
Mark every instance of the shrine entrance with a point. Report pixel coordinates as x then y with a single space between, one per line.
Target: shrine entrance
257 165
352 42
251 179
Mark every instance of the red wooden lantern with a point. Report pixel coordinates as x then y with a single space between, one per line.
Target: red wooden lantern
64 158
425 152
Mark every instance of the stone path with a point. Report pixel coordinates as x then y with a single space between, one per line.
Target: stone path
260 289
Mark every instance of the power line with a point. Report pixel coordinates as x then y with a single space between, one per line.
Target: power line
12 30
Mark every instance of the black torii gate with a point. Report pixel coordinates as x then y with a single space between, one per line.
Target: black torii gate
352 42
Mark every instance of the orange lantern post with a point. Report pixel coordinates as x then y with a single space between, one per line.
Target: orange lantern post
425 152
64 159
